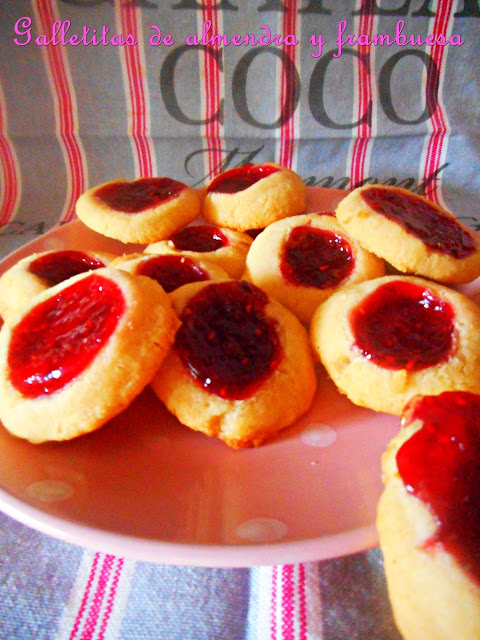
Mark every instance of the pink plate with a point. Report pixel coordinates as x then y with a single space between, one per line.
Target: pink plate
148 488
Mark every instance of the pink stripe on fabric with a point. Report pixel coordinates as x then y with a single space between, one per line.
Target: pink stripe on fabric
212 94
302 606
287 91
364 132
438 120
86 595
66 112
111 599
93 615
288 602
136 79
273 605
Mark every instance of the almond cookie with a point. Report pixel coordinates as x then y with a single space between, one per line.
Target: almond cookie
253 196
386 340
411 233
170 271
241 367
40 271
81 353
429 518
224 247
145 210
302 260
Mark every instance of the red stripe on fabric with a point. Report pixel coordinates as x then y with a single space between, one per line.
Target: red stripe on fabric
439 124
66 116
93 615
364 131
273 605
288 86
10 181
110 600
302 605
86 595
128 15
288 602
212 94
8 169
66 112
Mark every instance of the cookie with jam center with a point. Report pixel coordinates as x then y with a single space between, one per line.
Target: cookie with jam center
223 247
253 196
412 233
171 271
302 260
429 518
386 340
81 353
241 367
40 271
141 211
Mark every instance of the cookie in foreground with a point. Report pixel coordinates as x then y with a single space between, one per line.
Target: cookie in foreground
429 518
142 211
411 233
81 353
386 340
253 196
241 367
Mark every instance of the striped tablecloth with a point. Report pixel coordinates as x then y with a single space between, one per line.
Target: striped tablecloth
116 102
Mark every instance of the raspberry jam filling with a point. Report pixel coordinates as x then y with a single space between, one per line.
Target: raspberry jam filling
240 178
136 196
227 343
440 465
172 271
432 226
60 265
316 258
201 238
58 339
402 325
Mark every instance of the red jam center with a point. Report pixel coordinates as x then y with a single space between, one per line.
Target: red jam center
316 258
134 197
432 226
227 343
240 178
440 464
60 265
172 271
60 337
401 325
202 239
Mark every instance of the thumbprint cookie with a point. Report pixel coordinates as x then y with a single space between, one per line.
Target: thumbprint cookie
253 196
302 260
429 518
81 353
145 210
411 233
40 271
241 367
224 247
171 271
386 340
